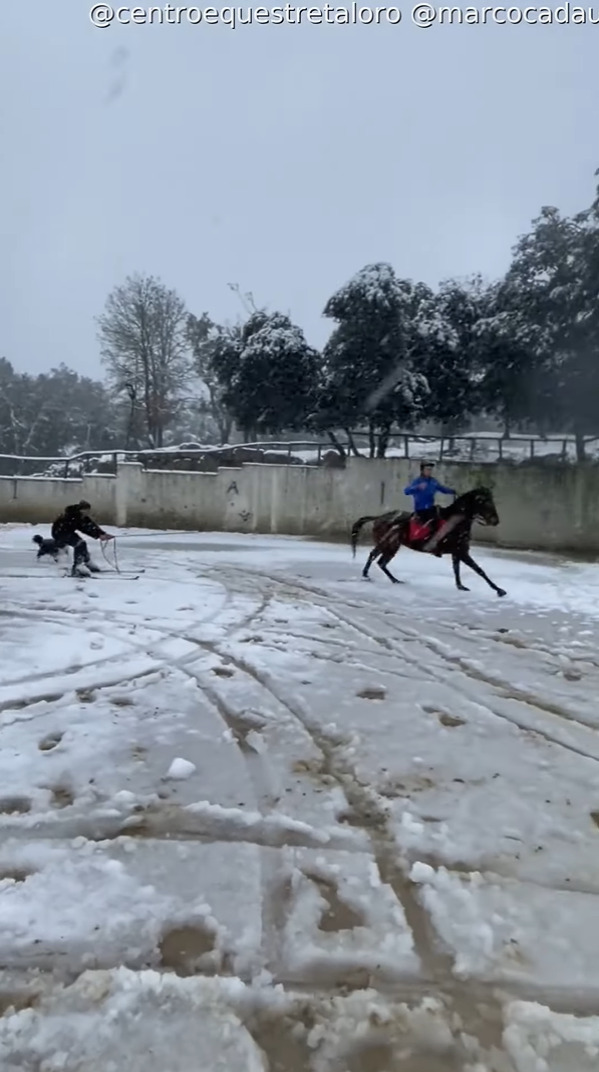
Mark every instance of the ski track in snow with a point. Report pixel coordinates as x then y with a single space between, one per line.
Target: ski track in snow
379 852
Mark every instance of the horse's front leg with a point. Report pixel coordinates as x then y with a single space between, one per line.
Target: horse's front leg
467 559
455 561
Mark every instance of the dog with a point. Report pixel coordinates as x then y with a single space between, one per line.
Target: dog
48 548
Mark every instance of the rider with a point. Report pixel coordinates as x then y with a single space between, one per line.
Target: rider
65 533
423 489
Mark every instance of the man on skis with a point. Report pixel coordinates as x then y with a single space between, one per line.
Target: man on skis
423 490
65 533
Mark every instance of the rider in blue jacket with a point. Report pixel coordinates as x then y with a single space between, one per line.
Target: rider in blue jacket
423 489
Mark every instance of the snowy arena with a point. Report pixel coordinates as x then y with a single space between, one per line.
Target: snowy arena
259 814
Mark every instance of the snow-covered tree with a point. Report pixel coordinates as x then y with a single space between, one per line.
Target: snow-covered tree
443 351
368 374
272 385
554 284
507 359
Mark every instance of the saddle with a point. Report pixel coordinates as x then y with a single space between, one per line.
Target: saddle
423 530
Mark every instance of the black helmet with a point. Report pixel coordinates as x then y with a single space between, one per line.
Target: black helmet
426 465
84 505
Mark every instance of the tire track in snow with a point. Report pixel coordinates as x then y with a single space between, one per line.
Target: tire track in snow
86 672
478 1004
503 689
369 811
556 713
275 871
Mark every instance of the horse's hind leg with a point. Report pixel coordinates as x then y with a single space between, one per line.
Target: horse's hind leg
382 564
371 559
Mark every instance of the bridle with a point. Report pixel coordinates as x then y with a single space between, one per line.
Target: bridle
482 520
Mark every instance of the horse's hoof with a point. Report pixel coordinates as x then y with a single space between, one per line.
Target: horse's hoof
501 592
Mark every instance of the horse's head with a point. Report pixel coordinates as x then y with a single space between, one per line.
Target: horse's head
479 505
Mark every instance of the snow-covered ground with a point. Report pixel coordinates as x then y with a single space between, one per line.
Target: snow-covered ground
256 813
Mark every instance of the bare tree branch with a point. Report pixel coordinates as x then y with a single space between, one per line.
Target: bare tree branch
144 344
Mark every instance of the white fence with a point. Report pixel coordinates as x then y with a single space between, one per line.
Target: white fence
475 447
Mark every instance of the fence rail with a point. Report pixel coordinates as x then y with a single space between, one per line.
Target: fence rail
467 447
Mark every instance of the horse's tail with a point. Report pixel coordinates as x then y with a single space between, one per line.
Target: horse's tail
355 531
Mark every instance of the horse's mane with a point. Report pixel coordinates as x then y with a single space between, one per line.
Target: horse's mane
474 491
465 498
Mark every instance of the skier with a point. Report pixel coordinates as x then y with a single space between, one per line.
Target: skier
65 533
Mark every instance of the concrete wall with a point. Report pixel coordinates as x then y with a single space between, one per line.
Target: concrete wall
38 501
542 506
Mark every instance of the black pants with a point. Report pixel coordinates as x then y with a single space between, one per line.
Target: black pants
80 551
429 514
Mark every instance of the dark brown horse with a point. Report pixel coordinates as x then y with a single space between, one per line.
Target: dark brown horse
449 534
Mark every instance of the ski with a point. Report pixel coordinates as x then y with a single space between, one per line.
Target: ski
119 573
110 574
115 576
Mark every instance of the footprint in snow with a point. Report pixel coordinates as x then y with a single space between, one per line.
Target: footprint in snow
49 742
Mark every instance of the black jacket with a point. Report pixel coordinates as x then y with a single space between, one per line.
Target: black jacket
72 521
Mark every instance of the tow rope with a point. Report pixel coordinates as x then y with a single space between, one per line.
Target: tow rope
155 533
114 565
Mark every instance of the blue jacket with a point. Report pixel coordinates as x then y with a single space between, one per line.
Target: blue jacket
424 489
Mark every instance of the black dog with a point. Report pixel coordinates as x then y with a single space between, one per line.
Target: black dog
47 547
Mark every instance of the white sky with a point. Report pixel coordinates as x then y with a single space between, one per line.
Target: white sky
283 158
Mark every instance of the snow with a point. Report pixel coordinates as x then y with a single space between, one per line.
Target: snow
255 812
143 1022
375 284
181 769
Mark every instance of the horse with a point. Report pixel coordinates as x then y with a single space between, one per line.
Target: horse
448 534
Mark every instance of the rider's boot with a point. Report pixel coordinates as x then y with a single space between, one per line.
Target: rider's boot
80 570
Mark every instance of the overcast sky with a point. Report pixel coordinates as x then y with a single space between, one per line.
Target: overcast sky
282 158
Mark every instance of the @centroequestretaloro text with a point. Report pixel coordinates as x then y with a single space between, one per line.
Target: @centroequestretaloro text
422 15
